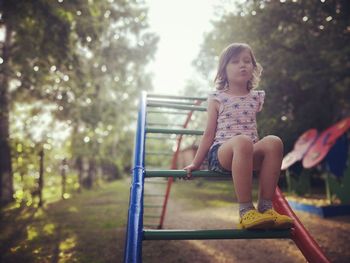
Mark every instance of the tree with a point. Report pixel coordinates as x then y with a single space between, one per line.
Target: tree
304 49
45 56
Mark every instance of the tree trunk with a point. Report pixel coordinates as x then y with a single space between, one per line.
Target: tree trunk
41 177
6 179
79 165
91 174
64 177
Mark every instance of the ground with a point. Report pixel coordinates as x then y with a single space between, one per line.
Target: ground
333 235
90 227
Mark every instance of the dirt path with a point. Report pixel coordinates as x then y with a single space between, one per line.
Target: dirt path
332 235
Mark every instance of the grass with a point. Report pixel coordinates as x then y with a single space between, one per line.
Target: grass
90 226
52 189
86 228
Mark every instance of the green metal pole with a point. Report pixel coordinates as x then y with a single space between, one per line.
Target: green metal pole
172 102
163 124
176 106
160 153
214 234
175 97
152 206
183 173
167 112
174 131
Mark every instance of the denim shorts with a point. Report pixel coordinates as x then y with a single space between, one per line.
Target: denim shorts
213 160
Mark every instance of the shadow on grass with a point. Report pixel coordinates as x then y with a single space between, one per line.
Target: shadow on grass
90 227
14 225
86 228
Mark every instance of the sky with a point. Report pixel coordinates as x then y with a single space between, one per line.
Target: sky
181 25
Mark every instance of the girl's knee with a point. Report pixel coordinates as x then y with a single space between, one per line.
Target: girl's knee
243 144
274 143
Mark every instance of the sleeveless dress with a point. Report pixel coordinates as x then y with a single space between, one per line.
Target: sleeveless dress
236 116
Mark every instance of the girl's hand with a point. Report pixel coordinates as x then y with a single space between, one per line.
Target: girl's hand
189 168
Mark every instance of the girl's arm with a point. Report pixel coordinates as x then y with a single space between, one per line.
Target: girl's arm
207 138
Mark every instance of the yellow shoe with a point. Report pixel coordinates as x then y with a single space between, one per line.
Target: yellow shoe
281 221
255 220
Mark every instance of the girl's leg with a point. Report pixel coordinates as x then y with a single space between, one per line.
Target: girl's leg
236 155
268 154
267 158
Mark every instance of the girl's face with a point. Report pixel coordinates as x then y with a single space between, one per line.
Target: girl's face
240 68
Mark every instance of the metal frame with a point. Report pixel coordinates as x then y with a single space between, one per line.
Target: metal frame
135 232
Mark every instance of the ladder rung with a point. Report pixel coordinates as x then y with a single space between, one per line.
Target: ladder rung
174 131
157 182
159 138
163 124
160 153
179 102
167 112
174 97
150 216
214 234
176 106
152 206
182 173
154 195
156 167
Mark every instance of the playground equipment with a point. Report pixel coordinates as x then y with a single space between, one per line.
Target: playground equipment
324 143
328 150
137 233
301 146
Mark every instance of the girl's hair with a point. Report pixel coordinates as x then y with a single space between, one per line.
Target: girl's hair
234 50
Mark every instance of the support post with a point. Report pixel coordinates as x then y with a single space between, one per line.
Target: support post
134 234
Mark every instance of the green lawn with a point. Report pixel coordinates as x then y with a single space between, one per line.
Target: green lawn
89 227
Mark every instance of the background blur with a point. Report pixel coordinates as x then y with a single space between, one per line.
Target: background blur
71 73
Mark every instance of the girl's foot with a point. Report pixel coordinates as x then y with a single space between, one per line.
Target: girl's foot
281 221
255 220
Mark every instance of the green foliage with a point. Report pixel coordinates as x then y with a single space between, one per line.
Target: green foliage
340 187
80 64
300 184
303 47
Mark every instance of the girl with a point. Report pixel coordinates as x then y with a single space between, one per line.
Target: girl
232 140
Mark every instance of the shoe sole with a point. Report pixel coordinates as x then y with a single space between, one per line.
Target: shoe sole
265 224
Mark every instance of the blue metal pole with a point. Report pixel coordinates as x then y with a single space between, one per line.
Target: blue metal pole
133 241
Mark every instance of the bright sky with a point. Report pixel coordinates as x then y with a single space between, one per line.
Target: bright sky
180 24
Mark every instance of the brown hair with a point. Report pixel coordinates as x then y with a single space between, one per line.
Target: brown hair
231 51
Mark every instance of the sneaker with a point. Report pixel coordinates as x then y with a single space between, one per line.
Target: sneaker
255 220
281 221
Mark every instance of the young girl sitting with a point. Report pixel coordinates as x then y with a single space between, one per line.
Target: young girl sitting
231 138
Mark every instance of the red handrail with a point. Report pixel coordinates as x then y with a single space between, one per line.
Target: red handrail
301 237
